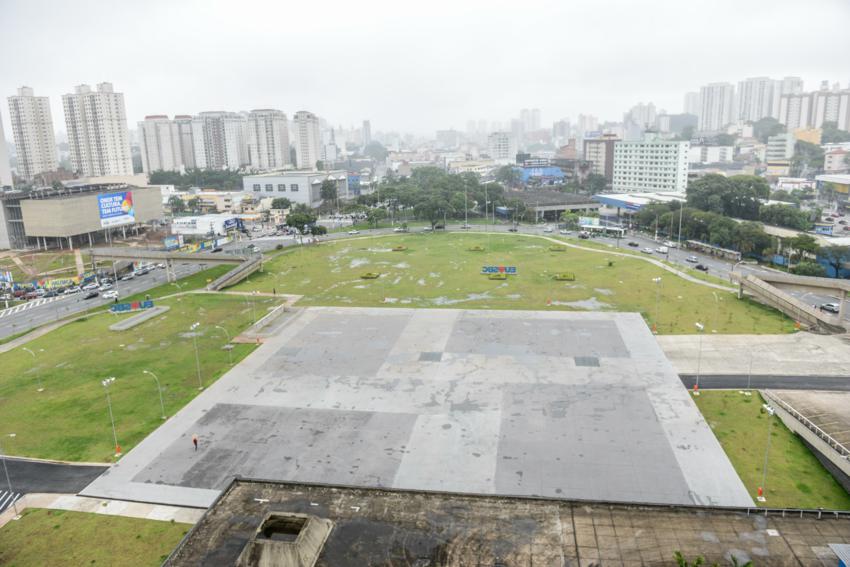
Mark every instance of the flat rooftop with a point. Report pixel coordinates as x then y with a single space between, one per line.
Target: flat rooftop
529 403
397 528
827 410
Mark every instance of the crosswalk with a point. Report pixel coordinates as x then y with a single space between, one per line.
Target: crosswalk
28 305
8 498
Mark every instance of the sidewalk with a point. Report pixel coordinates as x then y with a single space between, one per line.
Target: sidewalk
102 506
800 354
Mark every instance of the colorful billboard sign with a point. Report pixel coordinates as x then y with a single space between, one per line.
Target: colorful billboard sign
134 306
116 208
588 221
510 270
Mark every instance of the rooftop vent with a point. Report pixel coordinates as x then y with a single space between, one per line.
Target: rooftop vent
286 540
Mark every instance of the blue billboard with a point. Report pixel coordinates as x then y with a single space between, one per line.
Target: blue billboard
116 208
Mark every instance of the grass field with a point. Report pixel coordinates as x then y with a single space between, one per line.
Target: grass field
57 537
439 270
69 419
795 478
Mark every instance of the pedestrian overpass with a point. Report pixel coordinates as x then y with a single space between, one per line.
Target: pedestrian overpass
134 254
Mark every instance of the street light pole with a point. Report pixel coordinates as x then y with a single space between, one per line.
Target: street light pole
679 236
9 484
700 328
37 374
229 355
657 282
194 326
159 391
766 450
106 384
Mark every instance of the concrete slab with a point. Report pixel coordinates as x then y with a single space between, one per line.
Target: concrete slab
560 404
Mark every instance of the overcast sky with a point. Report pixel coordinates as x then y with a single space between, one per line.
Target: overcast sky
413 66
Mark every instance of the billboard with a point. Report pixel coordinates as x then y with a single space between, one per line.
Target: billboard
116 208
588 221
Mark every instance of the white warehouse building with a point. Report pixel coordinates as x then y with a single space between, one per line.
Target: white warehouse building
204 225
300 187
651 165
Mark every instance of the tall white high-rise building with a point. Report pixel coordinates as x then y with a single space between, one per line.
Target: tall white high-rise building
159 142
785 86
650 165
692 105
642 114
366 132
502 147
220 140
97 131
755 98
717 107
32 130
5 170
811 110
308 140
268 139
183 123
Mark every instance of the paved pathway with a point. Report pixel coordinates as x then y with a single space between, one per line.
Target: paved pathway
760 382
8 498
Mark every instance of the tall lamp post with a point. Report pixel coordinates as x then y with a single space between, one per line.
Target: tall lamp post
229 355
159 391
106 384
700 328
9 484
770 412
37 374
194 326
657 282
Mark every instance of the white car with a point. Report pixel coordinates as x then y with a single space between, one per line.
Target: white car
105 286
646 250
353 232
127 277
90 287
71 290
692 259
547 229
563 231
111 294
396 229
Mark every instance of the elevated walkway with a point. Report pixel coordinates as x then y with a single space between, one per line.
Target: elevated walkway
237 274
168 258
810 317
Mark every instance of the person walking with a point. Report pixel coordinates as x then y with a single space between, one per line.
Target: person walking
195 440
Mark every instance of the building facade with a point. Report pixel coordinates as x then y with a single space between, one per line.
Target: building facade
97 131
600 152
651 165
691 105
779 148
183 123
502 146
32 130
811 110
755 98
6 181
717 106
710 154
220 140
268 139
836 161
308 140
300 187
159 142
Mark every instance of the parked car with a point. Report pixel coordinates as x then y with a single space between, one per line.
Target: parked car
104 286
160 266
633 244
127 277
692 259
701 267
646 250
831 307
91 295
89 287
141 272
353 231
31 295
111 294
51 293
71 290
842 221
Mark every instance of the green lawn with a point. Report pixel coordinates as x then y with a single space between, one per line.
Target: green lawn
439 270
194 281
57 537
69 419
795 478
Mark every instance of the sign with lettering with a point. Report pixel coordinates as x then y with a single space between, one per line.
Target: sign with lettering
133 306
510 270
116 208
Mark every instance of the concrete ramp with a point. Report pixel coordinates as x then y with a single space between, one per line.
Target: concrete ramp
810 317
237 274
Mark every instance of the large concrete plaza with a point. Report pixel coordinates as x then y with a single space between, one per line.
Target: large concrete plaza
559 404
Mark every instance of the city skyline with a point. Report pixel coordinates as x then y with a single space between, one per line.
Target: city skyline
229 72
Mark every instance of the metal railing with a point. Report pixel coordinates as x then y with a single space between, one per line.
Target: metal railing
823 435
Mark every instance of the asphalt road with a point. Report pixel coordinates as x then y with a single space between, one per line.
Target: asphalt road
37 476
742 382
46 313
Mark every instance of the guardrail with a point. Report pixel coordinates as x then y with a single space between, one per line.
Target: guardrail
237 274
820 433
788 304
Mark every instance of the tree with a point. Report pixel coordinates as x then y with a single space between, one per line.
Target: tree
194 204
807 157
766 127
328 190
830 134
570 220
375 216
318 230
281 203
433 210
376 151
836 256
808 268
804 243
508 176
176 204
300 218
785 215
737 196
595 183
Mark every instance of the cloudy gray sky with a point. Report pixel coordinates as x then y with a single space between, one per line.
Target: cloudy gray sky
413 66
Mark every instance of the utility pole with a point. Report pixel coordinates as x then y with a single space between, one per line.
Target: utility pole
197 356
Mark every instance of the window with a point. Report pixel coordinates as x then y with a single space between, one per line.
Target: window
293 187
269 187
256 186
281 187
